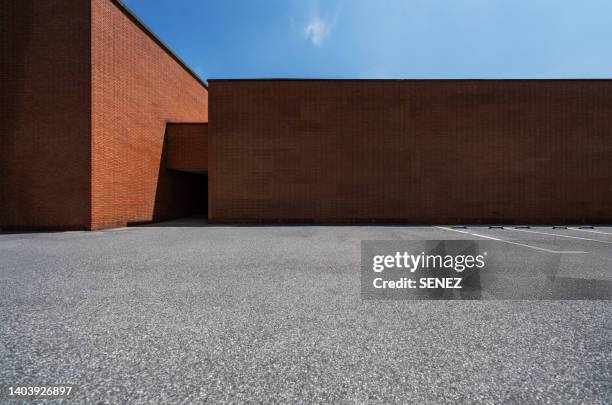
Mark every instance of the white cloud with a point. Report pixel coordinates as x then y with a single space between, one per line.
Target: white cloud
319 28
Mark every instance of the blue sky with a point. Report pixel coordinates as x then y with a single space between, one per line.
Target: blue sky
386 38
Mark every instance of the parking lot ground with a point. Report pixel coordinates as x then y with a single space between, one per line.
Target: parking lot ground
188 312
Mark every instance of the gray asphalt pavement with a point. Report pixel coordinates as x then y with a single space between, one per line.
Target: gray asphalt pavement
184 313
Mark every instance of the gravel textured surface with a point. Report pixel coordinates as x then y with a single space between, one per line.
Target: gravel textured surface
189 314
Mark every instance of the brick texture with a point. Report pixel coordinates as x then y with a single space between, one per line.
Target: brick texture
137 88
187 147
411 151
86 95
45 143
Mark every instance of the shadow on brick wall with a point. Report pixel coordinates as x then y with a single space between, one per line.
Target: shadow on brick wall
178 194
16 19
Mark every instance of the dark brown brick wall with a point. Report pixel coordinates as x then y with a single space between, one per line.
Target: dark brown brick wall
137 89
45 148
434 152
187 147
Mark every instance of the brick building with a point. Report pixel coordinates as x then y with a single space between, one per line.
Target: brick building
411 151
90 91
104 126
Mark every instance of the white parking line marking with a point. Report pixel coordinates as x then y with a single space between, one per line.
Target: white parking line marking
562 236
590 230
514 243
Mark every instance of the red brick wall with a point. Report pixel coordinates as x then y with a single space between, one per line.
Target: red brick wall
412 151
45 103
136 88
187 147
